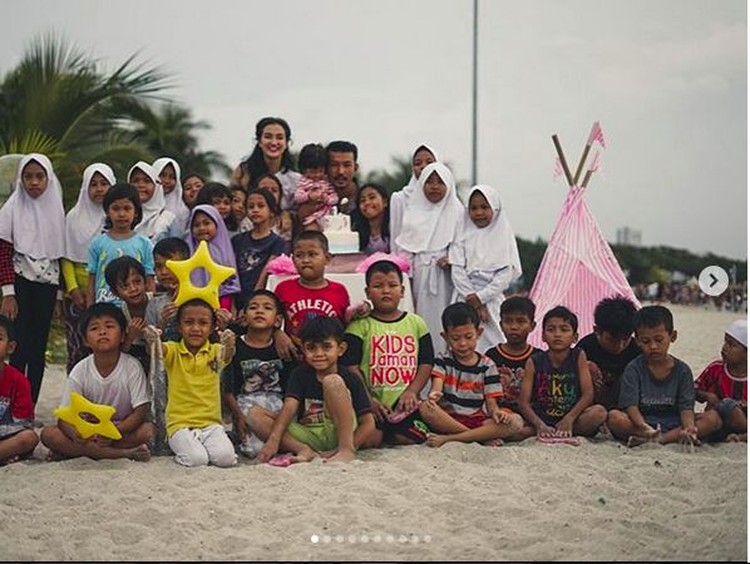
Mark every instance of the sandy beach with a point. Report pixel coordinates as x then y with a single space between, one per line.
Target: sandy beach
599 501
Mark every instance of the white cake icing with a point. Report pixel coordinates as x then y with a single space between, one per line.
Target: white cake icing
341 238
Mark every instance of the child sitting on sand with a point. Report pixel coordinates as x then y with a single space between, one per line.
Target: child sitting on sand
333 414
556 392
610 347
657 395
517 322
194 424
17 438
392 351
723 385
256 378
109 377
463 383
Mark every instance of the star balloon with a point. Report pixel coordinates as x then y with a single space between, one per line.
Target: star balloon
217 273
103 413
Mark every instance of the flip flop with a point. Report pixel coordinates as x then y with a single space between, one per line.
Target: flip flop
281 460
398 416
559 440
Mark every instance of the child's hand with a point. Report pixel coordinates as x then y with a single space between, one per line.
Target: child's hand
484 314
169 311
712 400
358 311
407 402
268 451
647 430
473 301
689 433
443 263
500 416
544 430
223 318
379 411
9 307
564 427
434 396
285 347
135 328
100 441
78 298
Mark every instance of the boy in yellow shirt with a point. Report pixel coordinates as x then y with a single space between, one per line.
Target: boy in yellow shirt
193 367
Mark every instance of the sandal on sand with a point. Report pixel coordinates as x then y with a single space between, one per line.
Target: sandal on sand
554 440
398 416
281 460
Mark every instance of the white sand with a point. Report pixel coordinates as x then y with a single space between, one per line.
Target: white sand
526 502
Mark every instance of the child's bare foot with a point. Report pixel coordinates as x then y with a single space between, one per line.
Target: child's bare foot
141 453
342 455
736 438
637 440
434 440
54 456
494 443
10 460
305 455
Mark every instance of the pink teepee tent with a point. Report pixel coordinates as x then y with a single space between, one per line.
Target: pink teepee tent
579 268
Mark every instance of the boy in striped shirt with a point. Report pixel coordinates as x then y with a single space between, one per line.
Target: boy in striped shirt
462 403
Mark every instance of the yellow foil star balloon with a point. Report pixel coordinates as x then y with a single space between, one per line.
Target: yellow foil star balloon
103 413
217 273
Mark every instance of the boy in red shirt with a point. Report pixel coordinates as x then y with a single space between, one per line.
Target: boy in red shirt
723 385
311 295
17 438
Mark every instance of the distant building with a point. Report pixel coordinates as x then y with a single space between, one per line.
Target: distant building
628 236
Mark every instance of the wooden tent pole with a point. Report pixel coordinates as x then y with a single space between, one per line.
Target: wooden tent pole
561 156
587 178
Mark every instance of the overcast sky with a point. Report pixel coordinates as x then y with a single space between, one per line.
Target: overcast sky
667 80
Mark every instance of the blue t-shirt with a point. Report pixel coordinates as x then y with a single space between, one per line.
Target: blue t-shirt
104 249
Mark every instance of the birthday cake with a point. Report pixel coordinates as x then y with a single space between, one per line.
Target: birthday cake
341 239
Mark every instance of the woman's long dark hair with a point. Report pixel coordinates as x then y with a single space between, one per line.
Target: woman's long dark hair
255 165
364 225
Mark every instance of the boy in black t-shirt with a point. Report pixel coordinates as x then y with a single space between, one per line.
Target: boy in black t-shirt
256 378
610 347
517 322
334 417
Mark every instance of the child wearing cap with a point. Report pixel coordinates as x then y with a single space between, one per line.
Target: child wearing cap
723 385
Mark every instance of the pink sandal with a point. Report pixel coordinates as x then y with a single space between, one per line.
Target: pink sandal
559 440
281 460
398 416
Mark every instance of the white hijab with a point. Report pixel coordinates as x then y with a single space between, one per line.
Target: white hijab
152 209
173 201
493 247
86 220
413 184
35 227
427 226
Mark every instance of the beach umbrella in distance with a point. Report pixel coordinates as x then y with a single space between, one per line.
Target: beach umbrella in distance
8 168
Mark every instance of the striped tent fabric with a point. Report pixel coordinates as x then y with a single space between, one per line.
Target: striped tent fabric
578 270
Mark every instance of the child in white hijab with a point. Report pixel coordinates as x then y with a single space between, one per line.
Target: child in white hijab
157 222
84 222
168 172
32 230
484 261
432 213
421 157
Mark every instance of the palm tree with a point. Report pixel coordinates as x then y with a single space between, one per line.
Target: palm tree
169 130
56 101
